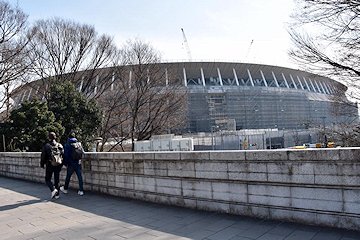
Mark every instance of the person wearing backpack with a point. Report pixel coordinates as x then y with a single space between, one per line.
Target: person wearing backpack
72 160
52 157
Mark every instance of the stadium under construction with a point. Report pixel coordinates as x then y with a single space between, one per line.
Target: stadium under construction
253 96
235 97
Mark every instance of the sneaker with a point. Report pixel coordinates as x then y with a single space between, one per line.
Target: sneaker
57 196
63 189
53 193
80 193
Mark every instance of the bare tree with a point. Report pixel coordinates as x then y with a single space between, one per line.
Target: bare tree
326 41
69 51
115 119
13 50
346 131
148 99
326 37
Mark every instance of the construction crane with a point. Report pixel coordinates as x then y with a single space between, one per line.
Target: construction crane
248 51
186 45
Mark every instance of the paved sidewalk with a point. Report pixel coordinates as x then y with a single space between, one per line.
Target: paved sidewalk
26 212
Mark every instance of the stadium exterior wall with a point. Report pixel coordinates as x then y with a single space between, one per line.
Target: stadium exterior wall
253 96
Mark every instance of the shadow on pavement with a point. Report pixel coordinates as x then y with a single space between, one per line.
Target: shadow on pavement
100 216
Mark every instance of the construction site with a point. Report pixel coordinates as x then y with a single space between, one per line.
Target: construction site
241 99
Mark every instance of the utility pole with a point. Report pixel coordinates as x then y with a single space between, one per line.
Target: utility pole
325 140
212 137
3 141
7 92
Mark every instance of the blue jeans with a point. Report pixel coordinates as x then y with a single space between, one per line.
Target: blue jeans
70 170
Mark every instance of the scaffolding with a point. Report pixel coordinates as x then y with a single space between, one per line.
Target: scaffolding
256 98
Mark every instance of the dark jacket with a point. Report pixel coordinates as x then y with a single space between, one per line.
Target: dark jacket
46 151
67 154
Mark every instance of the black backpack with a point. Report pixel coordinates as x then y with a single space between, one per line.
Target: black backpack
76 151
55 158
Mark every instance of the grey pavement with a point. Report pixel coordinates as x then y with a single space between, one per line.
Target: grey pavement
27 212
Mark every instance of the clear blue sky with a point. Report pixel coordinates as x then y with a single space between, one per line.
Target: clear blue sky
215 29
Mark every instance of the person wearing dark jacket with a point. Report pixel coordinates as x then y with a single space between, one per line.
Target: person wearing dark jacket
72 165
50 169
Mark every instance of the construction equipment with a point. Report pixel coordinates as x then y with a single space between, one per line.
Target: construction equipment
186 45
248 51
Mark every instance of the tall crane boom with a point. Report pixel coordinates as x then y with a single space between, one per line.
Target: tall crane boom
186 45
248 51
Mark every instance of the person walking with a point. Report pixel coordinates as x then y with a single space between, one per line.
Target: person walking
72 160
52 157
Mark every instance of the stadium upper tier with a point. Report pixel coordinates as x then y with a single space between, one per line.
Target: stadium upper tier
208 74
233 96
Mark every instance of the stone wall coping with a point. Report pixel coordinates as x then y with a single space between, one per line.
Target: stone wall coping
303 155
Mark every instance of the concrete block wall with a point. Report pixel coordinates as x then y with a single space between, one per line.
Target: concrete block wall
314 186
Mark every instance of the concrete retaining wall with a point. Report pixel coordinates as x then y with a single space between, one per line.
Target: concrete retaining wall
313 186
